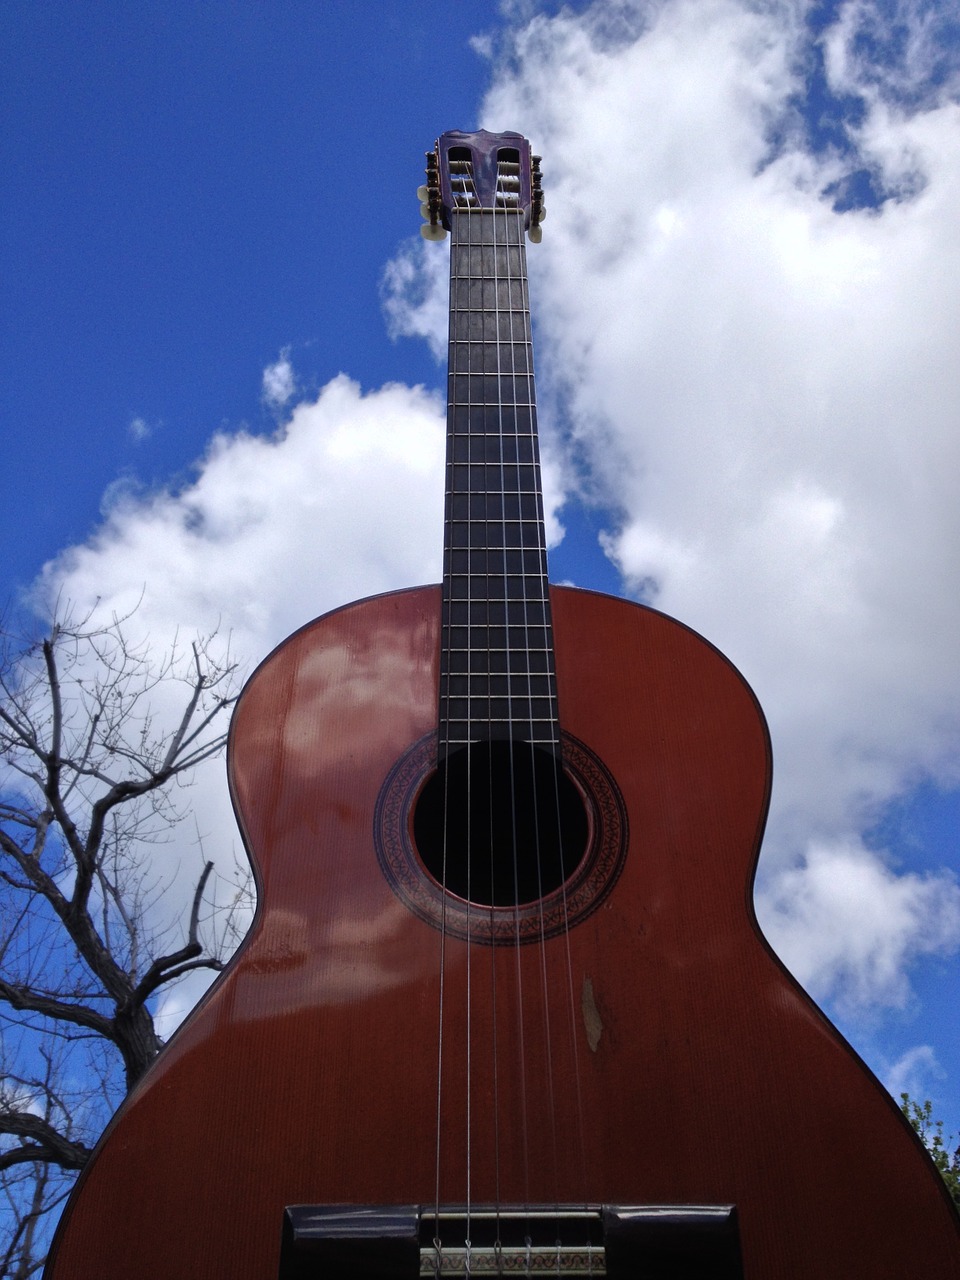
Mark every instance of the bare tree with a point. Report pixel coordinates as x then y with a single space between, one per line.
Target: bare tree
96 744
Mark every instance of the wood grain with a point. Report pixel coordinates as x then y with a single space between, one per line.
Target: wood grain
657 1053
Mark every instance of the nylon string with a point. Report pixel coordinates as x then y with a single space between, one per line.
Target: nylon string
568 983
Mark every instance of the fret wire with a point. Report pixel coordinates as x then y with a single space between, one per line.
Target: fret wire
495 513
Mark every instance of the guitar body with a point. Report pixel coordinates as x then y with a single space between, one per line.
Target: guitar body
654 1053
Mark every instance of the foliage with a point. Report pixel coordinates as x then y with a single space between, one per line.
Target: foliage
930 1132
96 741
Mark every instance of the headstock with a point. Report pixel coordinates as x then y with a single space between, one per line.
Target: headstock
472 171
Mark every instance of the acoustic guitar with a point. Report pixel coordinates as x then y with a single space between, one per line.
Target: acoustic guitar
504 1008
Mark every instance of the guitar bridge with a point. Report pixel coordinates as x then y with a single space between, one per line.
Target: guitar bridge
404 1242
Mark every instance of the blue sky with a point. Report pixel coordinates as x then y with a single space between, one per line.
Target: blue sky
189 189
745 304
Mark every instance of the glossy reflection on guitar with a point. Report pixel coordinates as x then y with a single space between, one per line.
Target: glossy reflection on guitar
504 1008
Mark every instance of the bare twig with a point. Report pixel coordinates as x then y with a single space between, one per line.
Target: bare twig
86 764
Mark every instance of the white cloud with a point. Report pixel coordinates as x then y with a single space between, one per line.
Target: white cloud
765 390
904 52
279 382
849 927
414 292
912 1073
762 388
139 429
345 500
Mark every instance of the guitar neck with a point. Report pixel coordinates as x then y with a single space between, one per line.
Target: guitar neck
497 668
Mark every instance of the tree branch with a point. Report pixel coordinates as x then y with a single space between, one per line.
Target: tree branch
25 1000
179 962
45 1143
87 759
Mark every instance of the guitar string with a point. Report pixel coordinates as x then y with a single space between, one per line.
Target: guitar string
442 757
513 284
440 1027
508 322
516 285
507 223
511 316
473 222
488 565
506 328
491 256
518 305
461 240
462 221
540 853
460 228
546 621
511 328
444 760
444 754
470 817
567 961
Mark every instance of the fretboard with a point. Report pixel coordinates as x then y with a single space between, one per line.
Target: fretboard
497 668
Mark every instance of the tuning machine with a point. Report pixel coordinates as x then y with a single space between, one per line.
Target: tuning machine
429 197
537 210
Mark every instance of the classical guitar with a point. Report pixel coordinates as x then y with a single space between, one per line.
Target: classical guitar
504 1008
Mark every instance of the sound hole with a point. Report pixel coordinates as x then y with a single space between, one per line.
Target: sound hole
500 824
517 922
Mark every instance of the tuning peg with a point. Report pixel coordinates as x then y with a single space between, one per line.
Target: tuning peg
433 231
423 193
534 235
425 211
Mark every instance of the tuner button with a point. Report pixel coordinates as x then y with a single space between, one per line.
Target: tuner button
423 193
425 210
535 234
433 231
